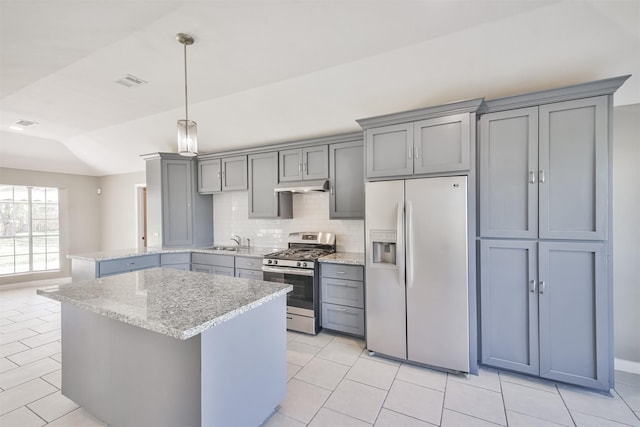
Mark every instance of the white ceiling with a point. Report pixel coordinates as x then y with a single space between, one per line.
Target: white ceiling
271 71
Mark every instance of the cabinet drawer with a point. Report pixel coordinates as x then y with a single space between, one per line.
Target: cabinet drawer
223 271
341 271
249 274
249 263
344 319
184 258
343 292
122 265
185 267
212 259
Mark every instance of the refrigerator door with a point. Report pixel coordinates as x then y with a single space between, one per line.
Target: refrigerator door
385 295
437 272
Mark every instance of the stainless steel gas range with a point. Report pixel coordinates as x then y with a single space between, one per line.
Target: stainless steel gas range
298 266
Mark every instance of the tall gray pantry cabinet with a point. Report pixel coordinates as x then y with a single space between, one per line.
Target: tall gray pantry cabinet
176 214
545 241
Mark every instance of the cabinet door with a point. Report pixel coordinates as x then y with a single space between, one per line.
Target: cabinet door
315 162
209 173
389 150
573 313
343 319
508 174
177 227
509 305
264 202
574 169
290 163
442 144
234 173
346 167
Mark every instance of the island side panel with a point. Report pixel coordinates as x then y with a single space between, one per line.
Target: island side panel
83 269
128 376
244 367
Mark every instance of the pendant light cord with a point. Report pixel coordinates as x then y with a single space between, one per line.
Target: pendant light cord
186 100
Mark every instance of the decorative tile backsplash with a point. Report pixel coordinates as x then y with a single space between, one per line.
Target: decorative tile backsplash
310 213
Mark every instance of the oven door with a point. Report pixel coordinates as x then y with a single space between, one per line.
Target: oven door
302 281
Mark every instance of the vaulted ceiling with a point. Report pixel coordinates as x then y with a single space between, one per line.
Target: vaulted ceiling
272 71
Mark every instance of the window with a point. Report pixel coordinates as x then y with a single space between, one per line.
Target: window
29 229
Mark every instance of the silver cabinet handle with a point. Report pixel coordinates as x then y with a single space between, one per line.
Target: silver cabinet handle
532 286
410 152
344 284
340 309
542 286
341 272
532 177
541 174
417 152
300 167
304 167
131 263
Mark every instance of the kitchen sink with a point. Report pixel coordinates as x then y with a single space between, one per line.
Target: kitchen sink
224 248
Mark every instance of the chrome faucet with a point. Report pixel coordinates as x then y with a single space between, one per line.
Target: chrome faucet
236 239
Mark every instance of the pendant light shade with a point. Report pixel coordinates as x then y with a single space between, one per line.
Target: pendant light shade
187 129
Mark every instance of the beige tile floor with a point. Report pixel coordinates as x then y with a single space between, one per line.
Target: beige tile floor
332 381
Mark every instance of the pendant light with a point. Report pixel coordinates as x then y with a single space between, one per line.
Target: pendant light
187 129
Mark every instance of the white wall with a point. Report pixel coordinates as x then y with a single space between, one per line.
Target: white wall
79 215
118 206
626 232
310 213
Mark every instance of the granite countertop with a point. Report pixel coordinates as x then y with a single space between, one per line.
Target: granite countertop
255 252
353 258
180 304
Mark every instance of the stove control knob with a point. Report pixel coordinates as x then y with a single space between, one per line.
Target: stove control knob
275 261
269 262
304 264
298 264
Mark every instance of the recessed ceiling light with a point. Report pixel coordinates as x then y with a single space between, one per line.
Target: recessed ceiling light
18 128
26 123
130 81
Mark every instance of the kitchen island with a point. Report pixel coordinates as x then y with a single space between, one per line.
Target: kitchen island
164 347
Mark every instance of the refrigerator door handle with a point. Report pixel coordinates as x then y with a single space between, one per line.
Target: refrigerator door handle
400 243
409 239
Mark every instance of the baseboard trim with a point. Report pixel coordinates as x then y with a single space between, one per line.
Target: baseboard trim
627 366
36 283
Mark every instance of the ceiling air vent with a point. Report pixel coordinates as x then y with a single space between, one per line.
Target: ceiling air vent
130 81
26 123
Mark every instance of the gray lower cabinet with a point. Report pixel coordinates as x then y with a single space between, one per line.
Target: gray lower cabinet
305 163
213 264
178 261
176 214
264 202
545 311
222 174
125 265
544 171
342 298
249 268
346 176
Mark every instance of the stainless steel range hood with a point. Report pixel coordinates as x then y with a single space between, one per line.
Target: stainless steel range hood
303 186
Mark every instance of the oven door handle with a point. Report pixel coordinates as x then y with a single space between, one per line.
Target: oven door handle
284 270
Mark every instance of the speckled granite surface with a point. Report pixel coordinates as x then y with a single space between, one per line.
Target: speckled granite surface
257 252
180 304
353 258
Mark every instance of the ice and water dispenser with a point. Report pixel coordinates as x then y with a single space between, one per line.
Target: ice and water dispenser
383 250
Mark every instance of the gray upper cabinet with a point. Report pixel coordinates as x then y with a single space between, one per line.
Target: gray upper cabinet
574 169
346 172
442 144
264 202
225 174
544 171
176 214
305 163
427 141
508 165
389 150
209 174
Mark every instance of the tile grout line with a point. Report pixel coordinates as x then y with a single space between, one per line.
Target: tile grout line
565 404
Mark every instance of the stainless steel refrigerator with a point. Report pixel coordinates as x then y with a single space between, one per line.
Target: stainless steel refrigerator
417 271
